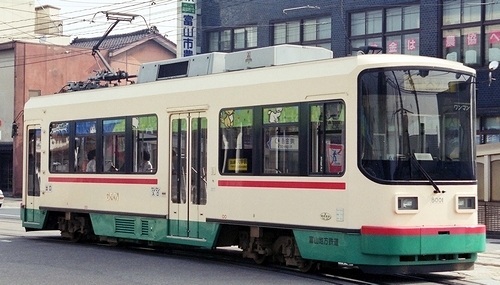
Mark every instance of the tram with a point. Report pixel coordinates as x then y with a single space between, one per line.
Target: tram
291 155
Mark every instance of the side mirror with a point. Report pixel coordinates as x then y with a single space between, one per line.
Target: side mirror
492 66
14 129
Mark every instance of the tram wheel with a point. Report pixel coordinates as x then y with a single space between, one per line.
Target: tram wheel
306 266
259 258
76 237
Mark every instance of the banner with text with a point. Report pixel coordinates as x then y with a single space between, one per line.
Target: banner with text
186 38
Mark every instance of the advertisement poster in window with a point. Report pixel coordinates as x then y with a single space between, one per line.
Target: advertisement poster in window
335 158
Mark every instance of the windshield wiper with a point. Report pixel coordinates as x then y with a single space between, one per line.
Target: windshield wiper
415 162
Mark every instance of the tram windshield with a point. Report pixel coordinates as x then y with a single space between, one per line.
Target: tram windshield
416 125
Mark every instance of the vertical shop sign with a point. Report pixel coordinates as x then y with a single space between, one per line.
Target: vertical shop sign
186 39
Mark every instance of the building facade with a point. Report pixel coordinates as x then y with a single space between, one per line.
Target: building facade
466 31
21 22
461 30
29 70
40 69
128 51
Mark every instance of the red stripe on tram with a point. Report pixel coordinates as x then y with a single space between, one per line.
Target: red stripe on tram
410 231
283 184
104 180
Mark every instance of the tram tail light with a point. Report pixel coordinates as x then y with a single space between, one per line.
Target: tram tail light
466 203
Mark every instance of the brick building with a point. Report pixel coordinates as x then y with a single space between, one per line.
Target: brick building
38 69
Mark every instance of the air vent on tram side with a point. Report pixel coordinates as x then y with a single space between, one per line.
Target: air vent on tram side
173 70
196 65
124 226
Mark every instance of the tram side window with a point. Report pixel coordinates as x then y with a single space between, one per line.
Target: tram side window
235 141
114 145
85 146
327 131
178 137
199 161
281 140
145 132
59 147
33 165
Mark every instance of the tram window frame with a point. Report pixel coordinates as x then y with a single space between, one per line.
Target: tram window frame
75 155
281 134
114 145
59 160
145 138
85 142
236 144
34 162
329 138
199 134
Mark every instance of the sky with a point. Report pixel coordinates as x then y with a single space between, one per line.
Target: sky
82 18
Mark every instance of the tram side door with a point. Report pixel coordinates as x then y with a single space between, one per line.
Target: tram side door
187 173
32 172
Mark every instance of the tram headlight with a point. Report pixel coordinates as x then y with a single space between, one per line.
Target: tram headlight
407 203
466 203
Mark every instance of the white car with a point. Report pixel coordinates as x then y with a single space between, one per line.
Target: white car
1 198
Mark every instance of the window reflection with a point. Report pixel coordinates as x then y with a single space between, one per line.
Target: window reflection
409 115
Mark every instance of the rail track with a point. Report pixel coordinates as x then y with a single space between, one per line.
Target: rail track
342 275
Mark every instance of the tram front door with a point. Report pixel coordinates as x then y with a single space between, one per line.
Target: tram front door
31 173
188 142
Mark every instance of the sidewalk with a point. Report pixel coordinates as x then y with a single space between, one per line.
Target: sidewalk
10 202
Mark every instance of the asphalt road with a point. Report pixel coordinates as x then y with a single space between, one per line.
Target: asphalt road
44 258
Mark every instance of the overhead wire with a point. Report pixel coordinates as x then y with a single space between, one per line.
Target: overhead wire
130 6
155 17
136 6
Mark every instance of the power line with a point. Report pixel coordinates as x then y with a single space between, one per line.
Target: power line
129 6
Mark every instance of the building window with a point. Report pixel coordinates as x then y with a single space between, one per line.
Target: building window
308 32
493 43
232 39
469 35
463 45
460 12
400 34
489 130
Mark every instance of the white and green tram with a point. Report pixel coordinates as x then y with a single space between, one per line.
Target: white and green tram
285 152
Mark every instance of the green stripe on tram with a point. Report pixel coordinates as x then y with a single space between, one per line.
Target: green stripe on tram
388 250
155 229
33 218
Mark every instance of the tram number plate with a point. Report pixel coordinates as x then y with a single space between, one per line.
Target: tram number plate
112 196
437 200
